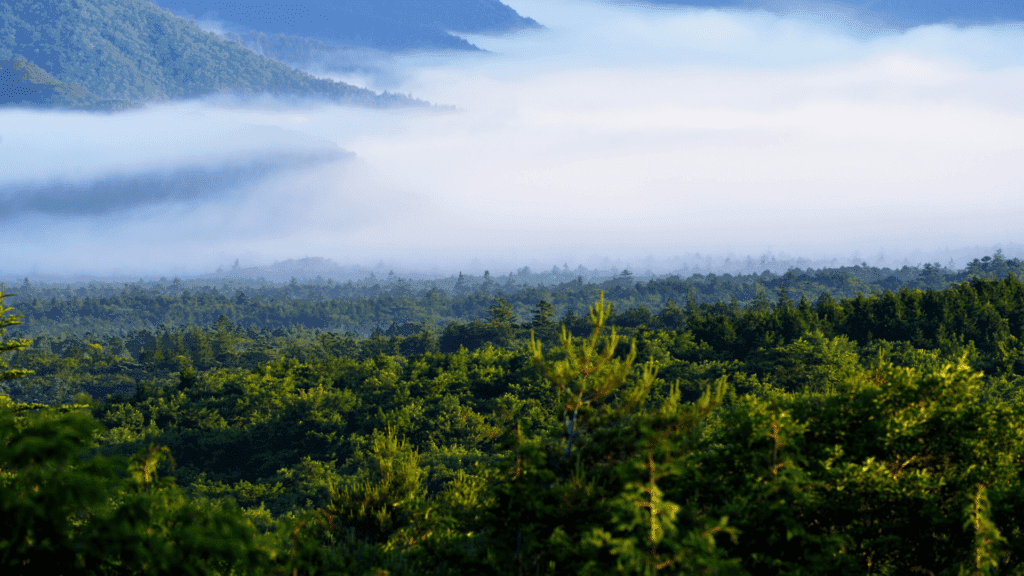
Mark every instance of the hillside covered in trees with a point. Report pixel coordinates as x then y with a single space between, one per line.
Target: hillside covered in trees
22 82
874 433
110 53
901 14
382 24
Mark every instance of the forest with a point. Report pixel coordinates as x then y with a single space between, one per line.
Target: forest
391 25
117 54
849 421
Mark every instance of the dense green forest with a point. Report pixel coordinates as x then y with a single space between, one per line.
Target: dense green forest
125 51
382 24
143 328
24 83
802 429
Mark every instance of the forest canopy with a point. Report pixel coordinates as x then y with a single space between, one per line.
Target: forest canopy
877 433
133 51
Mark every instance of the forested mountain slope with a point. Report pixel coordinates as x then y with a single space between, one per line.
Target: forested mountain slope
899 14
131 50
381 24
24 83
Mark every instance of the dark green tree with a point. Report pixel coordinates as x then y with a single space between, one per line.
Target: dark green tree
501 313
543 313
64 513
225 340
582 496
6 373
542 326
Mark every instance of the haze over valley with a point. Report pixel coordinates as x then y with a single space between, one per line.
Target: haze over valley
589 133
449 287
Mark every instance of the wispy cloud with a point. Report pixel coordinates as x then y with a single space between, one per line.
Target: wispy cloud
618 131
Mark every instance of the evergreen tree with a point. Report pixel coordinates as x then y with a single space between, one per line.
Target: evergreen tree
543 313
583 497
760 302
65 513
10 345
501 313
671 317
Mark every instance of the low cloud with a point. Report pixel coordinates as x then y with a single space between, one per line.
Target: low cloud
120 192
625 133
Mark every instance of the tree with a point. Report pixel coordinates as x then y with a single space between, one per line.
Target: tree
542 327
783 301
373 509
625 279
224 339
671 317
904 471
501 312
760 302
62 512
813 362
585 376
11 345
543 313
582 496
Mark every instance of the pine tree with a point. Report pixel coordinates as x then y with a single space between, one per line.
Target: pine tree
11 345
501 312
63 513
582 497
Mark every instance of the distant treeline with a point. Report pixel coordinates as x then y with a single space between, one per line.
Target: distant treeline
77 348
397 304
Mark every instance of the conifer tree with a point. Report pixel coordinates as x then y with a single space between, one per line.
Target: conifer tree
585 498
11 345
64 514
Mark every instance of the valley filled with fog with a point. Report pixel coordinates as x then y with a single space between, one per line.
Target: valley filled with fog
616 136
628 287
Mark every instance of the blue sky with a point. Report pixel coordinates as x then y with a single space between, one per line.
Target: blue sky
632 133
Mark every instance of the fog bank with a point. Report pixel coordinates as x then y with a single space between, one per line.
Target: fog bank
618 134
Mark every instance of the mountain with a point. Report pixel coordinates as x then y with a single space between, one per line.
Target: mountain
24 83
963 12
382 24
85 52
900 14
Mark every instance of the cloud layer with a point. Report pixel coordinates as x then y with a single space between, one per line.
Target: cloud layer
627 132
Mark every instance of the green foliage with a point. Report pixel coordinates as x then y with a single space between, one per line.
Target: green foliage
26 84
812 363
357 307
374 508
823 483
750 442
9 345
586 498
98 517
585 376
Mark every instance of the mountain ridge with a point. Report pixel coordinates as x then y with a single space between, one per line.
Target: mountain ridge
24 83
132 51
393 25
883 14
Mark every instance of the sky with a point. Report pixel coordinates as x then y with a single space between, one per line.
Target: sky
631 136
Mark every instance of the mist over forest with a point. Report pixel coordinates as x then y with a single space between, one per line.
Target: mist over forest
448 287
608 135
